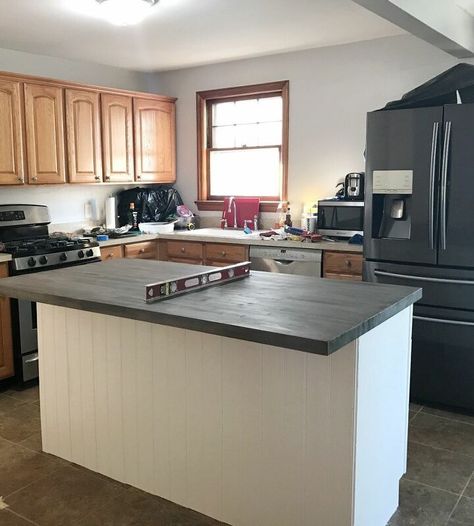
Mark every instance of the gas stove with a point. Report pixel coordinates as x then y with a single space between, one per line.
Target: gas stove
44 253
24 234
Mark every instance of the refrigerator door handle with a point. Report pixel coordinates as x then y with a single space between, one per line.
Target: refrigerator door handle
434 154
444 183
424 278
440 320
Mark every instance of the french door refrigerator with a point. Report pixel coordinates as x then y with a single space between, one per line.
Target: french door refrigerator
419 230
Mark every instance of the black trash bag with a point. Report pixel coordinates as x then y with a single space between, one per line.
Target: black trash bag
153 204
440 90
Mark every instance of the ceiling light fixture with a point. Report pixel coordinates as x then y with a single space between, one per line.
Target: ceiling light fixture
125 12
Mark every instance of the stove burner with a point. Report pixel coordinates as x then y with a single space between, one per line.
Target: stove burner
32 247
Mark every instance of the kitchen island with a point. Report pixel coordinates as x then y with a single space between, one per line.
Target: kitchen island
273 400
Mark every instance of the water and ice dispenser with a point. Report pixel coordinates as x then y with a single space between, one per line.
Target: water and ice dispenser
391 204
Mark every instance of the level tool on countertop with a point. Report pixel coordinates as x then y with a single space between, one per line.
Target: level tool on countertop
201 280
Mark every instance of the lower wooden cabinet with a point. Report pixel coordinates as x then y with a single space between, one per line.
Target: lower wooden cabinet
111 252
342 265
143 250
6 344
211 254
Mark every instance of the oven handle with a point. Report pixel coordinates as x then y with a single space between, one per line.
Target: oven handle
424 278
32 360
440 320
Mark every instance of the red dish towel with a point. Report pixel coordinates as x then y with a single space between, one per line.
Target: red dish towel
247 208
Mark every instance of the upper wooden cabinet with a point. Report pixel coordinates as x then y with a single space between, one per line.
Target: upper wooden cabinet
44 116
12 169
155 143
83 136
117 133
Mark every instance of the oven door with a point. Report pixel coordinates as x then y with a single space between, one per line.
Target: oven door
25 339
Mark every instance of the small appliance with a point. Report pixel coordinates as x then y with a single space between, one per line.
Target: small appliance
340 218
354 186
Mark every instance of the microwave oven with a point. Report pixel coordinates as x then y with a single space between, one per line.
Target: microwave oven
339 218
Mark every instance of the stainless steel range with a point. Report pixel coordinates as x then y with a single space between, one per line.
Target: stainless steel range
24 234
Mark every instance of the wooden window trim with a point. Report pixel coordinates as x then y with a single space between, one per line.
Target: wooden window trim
203 98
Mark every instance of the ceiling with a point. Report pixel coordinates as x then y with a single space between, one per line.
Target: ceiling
182 33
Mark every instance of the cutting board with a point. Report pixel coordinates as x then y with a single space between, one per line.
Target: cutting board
247 208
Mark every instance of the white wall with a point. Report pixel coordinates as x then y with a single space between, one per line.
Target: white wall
331 89
66 202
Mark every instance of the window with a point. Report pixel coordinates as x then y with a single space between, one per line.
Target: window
243 144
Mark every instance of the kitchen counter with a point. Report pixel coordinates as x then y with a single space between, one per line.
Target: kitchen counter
217 235
295 312
5 257
206 399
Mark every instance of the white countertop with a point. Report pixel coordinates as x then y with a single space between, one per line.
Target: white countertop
217 235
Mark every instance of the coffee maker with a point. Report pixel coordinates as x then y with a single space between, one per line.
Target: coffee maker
354 186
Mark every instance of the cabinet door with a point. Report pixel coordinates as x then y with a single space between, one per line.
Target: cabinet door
83 136
12 170
155 144
44 114
117 135
6 345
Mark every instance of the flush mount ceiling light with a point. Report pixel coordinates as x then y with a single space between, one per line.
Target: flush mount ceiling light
125 12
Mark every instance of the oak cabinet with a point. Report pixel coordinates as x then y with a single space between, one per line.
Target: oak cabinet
83 136
12 162
155 143
111 252
342 265
44 117
221 254
6 344
117 135
143 250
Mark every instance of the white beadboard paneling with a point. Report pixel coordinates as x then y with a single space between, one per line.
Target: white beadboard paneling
250 434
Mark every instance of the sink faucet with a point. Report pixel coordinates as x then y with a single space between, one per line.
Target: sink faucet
233 204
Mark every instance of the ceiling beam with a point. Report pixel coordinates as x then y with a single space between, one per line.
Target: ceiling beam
444 24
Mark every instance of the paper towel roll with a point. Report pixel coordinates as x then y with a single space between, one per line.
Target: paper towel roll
110 213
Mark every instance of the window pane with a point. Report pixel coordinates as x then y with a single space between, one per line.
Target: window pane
246 111
269 133
246 172
223 113
223 137
270 109
246 135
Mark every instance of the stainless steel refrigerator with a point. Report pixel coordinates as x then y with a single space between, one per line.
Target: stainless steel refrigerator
419 230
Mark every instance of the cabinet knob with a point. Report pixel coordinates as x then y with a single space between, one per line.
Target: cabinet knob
34 178
107 177
21 179
97 178
142 250
183 250
223 253
139 177
348 262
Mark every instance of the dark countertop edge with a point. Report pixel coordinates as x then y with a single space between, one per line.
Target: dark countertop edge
374 321
287 341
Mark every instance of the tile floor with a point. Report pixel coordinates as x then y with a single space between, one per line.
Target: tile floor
39 489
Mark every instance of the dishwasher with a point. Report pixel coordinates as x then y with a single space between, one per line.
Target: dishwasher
304 262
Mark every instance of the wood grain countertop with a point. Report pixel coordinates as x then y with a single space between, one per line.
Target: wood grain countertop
295 312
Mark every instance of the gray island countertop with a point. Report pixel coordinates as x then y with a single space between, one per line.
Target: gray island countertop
307 314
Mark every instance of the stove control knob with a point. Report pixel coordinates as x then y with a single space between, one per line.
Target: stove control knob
80 254
31 262
43 260
63 256
89 253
